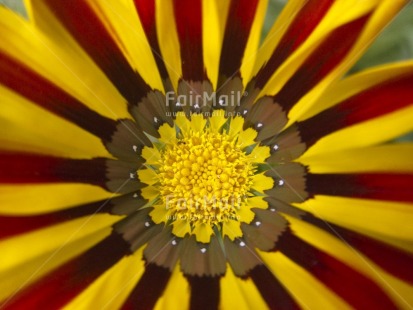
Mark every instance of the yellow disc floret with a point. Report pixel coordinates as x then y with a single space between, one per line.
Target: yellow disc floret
203 178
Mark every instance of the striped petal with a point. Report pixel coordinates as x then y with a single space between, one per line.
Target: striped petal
66 64
92 34
61 285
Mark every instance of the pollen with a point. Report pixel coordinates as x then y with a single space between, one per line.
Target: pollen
205 178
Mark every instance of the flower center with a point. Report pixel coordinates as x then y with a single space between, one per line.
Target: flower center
205 178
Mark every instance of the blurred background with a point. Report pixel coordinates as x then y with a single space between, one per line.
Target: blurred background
395 43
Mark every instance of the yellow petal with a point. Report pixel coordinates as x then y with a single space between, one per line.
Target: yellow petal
168 39
176 294
257 202
276 32
304 287
217 120
259 154
56 56
232 229
198 122
247 137
112 288
35 199
167 133
340 13
147 176
386 221
159 214
29 128
151 155
183 123
240 294
203 232
26 258
122 21
235 126
251 48
150 193
245 214
385 11
214 15
262 182
357 83
391 158
397 290
375 131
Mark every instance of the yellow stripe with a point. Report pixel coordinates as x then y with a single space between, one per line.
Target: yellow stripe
251 49
385 11
168 39
111 289
26 258
35 199
400 292
239 294
383 220
375 131
54 55
122 21
214 16
357 83
303 286
276 32
29 128
391 158
176 294
340 13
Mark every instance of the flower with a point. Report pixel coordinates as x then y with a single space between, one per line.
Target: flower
153 157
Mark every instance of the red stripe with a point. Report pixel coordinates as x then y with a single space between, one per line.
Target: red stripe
381 186
306 20
321 62
270 288
19 168
355 288
149 288
146 12
240 18
391 259
63 284
82 22
379 100
44 93
188 16
205 293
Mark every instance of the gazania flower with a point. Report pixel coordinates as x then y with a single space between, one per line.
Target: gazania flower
155 155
